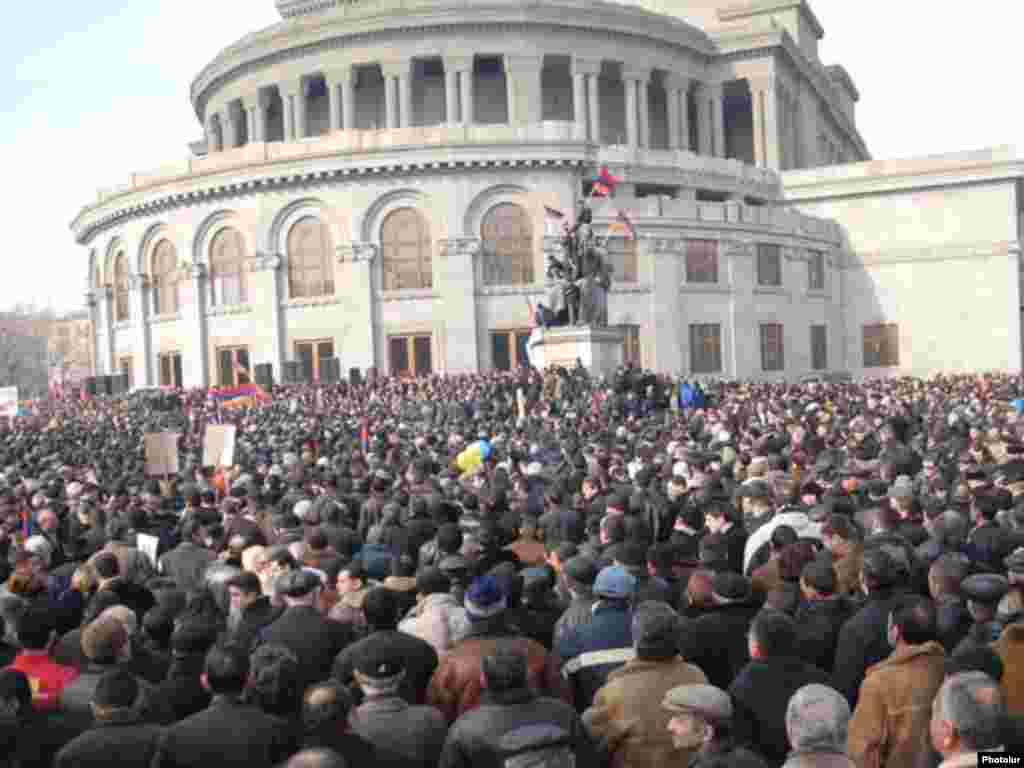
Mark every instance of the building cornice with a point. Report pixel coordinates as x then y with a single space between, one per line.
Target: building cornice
361 24
839 75
998 164
745 10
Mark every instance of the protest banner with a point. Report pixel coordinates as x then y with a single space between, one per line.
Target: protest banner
8 401
161 453
219 445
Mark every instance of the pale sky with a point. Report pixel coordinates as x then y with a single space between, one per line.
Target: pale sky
98 90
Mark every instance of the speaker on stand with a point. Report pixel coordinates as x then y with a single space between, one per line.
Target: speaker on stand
330 370
355 377
264 373
291 372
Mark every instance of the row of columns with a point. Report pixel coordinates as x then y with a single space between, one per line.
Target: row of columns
525 103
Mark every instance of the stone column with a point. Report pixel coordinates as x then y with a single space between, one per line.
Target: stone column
355 270
142 346
405 94
348 99
594 106
288 99
683 86
643 90
214 134
195 363
107 355
461 69
265 291
301 96
468 108
585 102
632 118
232 130
335 79
808 122
717 119
525 91
766 127
705 119
672 93
256 116
458 292
391 71
451 93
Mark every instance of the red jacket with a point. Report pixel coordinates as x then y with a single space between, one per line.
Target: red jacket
46 677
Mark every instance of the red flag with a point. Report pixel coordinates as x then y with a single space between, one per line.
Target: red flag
606 179
600 190
364 434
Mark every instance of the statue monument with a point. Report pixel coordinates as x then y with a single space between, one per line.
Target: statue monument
573 323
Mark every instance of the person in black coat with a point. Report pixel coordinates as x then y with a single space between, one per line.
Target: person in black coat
314 640
716 640
251 611
27 738
953 619
228 733
117 736
513 720
183 692
539 610
325 711
381 610
863 639
821 614
762 690
719 517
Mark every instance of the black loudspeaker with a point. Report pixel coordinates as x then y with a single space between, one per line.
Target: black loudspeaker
291 372
355 377
90 386
330 370
265 376
120 385
107 385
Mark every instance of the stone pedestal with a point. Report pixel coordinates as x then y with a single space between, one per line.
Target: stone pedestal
601 350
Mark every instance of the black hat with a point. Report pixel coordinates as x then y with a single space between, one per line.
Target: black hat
656 630
297 583
116 689
730 587
537 580
820 575
985 588
380 664
431 580
581 569
193 638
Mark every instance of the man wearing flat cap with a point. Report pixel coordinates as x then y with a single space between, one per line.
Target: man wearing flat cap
983 592
387 720
626 717
700 722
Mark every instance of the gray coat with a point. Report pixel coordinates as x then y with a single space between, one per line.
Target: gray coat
391 723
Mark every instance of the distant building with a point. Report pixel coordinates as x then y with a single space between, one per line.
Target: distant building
372 185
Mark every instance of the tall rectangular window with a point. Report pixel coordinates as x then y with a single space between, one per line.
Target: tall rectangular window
169 364
631 353
702 261
772 347
769 264
816 271
311 354
819 347
706 348
233 366
881 345
508 349
410 355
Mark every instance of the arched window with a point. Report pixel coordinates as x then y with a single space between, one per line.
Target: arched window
405 245
165 278
227 268
121 288
310 271
507 246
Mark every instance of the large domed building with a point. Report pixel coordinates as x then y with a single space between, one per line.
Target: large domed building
373 180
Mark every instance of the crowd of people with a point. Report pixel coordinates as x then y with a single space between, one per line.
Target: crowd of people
519 570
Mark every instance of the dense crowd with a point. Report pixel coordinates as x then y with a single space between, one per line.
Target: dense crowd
519 570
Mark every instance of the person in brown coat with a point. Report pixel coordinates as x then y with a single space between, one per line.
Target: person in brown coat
894 706
627 717
1010 647
528 548
456 686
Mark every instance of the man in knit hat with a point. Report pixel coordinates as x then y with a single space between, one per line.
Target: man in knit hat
456 685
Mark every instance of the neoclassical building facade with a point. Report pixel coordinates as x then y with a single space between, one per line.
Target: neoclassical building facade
373 176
